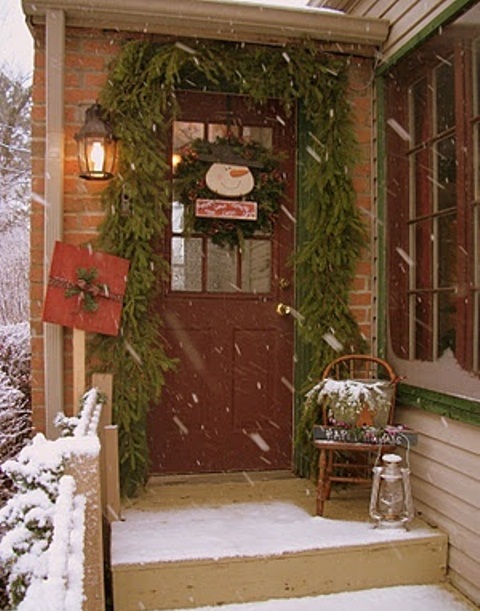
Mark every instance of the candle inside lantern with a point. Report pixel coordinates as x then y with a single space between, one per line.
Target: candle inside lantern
97 156
391 501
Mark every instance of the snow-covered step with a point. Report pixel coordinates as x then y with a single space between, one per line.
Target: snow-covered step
397 598
255 551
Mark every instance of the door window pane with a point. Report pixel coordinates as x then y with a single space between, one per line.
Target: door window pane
186 131
221 130
256 266
178 217
221 269
262 135
186 264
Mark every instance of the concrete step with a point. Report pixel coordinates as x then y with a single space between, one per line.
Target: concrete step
205 547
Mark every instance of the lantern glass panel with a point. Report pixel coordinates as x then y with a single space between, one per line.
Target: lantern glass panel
96 157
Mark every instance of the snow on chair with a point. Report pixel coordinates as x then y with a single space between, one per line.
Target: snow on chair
357 399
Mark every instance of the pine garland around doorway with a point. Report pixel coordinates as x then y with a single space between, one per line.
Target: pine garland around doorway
140 95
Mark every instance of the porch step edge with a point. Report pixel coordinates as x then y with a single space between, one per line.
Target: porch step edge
189 583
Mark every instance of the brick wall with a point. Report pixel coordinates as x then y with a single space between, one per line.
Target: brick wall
88 54
361 91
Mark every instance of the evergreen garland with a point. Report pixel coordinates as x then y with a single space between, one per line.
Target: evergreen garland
140 96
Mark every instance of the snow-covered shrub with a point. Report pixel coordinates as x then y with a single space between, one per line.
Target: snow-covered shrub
15 357
15 395
33 516
28 515
14 274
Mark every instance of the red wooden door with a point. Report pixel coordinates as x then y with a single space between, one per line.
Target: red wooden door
228 406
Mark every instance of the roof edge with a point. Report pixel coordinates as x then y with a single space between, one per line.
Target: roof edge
215 19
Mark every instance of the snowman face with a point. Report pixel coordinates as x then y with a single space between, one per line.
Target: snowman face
229 180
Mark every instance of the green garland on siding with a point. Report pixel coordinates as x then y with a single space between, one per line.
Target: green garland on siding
140 95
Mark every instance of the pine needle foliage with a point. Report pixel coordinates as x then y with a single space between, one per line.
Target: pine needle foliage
140 96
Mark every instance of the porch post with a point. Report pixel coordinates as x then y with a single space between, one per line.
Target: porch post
53 223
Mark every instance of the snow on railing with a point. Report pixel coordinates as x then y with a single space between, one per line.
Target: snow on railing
62 590
90 415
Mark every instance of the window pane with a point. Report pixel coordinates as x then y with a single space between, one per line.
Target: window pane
476 159
476 77
422 185
476 333
423 254
446 181
186 264
423 326
447 250
446 322
256 266
476 294
419 111
221 269
445 96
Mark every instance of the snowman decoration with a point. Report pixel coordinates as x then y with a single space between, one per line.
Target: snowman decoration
230 180
228 176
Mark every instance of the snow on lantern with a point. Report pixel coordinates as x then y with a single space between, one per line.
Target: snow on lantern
391 504
96 146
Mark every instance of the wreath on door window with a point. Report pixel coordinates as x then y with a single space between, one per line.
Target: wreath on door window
192 185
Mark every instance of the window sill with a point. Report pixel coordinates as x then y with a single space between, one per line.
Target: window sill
451 406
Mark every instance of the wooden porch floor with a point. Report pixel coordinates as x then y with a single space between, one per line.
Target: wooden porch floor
219 489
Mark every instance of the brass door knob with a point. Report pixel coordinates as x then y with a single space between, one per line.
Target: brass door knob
283 310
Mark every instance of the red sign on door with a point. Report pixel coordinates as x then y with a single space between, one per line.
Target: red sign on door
226 209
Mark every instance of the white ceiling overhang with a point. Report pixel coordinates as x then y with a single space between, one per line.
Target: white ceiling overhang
215 19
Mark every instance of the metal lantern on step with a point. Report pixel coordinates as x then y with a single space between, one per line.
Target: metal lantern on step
391 502
96 146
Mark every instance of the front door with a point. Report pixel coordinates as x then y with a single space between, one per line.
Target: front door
228 405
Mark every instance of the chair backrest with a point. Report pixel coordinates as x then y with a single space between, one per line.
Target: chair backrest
363 368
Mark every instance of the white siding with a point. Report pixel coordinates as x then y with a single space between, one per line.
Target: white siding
407 17
446 487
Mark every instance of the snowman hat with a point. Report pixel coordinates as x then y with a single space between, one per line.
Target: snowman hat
226 154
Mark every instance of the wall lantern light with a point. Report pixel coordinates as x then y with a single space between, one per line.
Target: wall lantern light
391 502
96 146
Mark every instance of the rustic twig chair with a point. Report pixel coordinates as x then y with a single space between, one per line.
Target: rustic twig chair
343 460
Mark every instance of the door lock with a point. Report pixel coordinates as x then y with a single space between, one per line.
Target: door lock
283 309
284 284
